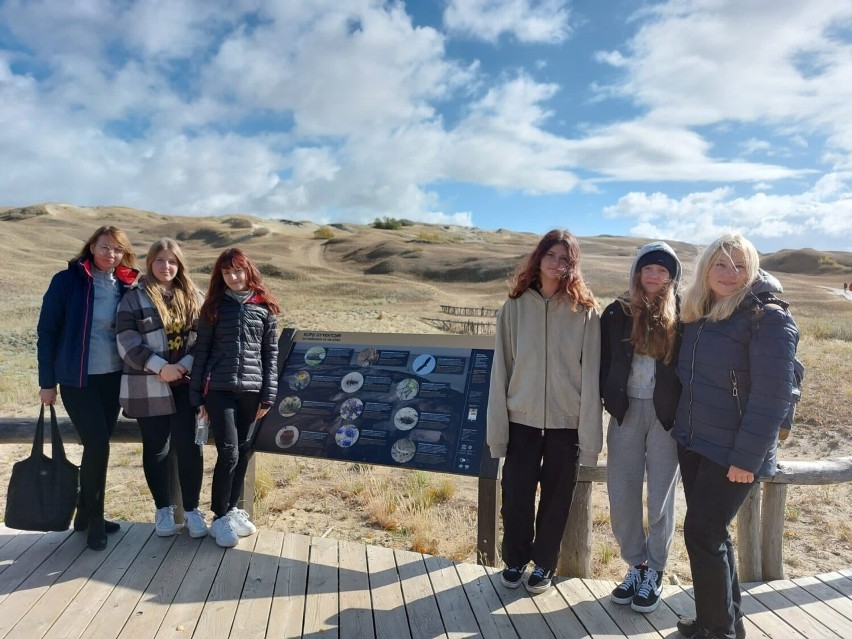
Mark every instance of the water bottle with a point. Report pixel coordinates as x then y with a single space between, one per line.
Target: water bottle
202 429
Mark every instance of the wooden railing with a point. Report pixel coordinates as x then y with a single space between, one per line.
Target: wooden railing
760 523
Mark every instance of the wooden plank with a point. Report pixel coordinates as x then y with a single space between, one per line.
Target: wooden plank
388 601
456 612
811 604
149 613
759 617
424 618
796 617
182 617
322 608
827 595
253 610
491 616
123 599
217 616
17 604
558 615
288 602
6 535
53 603
631 623
89 599
837 580
356 610
679 600
522 611
596 622
23 555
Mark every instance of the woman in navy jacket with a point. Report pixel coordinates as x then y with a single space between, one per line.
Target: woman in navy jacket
77 352
736 367
234 379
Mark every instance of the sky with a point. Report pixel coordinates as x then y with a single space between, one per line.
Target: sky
680 120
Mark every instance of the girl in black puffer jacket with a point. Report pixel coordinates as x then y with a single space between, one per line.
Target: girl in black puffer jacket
234 379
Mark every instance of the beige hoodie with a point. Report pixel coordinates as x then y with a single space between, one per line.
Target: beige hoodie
545 372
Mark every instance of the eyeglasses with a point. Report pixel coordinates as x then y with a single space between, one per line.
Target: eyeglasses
109 250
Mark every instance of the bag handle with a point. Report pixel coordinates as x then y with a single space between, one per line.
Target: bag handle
55 437
58 450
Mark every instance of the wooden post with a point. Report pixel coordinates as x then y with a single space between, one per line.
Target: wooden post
486 521
575 555
176 497
247 498
772 530
748 538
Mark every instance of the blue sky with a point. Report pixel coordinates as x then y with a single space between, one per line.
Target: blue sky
676 120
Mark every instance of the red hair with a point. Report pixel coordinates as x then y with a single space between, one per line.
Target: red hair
571 283
234 258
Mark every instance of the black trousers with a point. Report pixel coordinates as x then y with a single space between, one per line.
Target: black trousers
231 417
158 435
712 502
93 410
548 457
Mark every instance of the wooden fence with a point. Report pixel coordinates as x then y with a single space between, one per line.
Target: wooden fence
461 327
469 310
760 523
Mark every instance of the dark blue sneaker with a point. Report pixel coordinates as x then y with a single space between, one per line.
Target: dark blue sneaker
648 596
627 589
512 577
539 580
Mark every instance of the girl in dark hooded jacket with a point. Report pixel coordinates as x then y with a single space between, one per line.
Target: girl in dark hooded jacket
234 380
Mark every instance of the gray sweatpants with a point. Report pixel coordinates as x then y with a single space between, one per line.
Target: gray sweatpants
641 445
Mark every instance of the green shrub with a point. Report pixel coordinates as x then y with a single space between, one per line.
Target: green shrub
323 233
387 223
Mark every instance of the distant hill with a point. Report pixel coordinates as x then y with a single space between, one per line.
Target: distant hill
808 262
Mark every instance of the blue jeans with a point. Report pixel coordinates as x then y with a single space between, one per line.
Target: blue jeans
712 502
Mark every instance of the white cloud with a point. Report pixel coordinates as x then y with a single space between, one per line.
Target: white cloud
526 20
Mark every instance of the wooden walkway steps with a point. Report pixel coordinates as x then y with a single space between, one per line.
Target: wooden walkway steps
277 584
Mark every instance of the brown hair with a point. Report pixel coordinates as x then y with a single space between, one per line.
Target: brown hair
571 284
234 258
118 236
654 327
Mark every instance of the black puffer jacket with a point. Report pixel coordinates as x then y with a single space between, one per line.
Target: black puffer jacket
616 360
239 352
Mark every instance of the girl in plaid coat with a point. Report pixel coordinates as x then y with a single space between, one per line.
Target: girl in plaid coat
156 331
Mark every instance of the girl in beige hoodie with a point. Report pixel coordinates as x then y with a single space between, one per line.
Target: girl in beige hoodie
544 408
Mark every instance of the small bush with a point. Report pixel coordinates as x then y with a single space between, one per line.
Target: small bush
260 231
323 233
237 222
387 223
430 238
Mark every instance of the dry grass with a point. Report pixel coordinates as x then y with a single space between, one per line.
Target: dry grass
366 279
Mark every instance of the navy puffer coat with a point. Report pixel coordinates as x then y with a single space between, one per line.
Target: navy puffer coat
239 352
737 378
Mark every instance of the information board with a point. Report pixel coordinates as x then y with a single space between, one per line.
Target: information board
413 401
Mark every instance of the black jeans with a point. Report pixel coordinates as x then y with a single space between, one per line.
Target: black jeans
712 502
231 417
535 456
158 435
93 410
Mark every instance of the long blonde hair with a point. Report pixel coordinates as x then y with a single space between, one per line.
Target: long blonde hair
698 300
184 308
118 236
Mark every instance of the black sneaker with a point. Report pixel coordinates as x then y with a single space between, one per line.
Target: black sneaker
627 589
512 577
648 596
539 580
689 627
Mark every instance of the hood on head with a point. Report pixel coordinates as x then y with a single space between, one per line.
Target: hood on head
651 247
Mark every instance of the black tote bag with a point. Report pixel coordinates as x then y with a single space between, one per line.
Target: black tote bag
42 491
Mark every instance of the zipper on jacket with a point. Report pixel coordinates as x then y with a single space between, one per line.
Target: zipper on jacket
692 378
90 302
240 345
546 353
735 392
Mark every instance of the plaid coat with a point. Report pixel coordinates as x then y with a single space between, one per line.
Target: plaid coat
144 347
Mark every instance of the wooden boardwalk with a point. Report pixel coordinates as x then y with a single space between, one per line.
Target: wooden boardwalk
276 584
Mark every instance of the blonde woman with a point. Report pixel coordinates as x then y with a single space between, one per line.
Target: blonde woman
736 367
156 331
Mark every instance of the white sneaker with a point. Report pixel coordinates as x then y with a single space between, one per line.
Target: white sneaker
223 532
164 522
242 523
196 523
